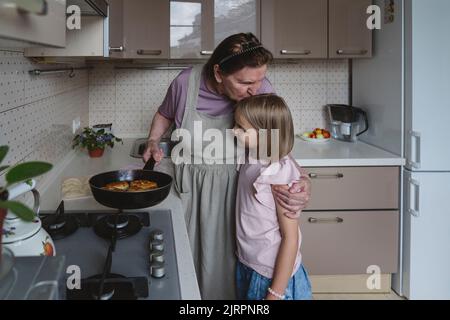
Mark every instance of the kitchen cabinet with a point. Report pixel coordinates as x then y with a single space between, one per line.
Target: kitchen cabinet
354 188
116 45
86 42
349 36
197 27
33 23
159 29
350 226
146 29
295 28
349 242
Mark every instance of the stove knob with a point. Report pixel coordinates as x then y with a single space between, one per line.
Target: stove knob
156 255
157 269
157 234
156 245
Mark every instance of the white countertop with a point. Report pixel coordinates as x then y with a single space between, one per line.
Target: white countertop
79 164
336 153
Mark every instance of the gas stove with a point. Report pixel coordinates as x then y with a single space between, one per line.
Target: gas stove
120 254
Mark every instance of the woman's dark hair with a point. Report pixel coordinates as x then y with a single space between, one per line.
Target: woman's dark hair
235 53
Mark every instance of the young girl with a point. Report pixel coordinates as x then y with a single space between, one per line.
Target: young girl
268 243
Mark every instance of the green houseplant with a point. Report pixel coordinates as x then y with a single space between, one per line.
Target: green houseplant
95 141
16 174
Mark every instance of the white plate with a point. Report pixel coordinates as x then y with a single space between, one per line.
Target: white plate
314 140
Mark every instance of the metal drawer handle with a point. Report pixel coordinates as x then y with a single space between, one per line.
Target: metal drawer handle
326 176
206 53
352 52
116 49
39 7
149 52
303 53
414 158
326 220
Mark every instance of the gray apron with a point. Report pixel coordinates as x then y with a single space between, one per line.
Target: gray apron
208 193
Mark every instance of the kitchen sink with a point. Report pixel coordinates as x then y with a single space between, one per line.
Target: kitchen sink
139 146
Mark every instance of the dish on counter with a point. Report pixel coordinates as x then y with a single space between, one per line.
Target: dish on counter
318 135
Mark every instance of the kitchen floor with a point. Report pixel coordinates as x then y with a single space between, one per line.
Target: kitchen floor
357 296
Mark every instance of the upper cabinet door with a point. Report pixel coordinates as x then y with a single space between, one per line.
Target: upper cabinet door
198 26
295 28
349 36
116 44
146 29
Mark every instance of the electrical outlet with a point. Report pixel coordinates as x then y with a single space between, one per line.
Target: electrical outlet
76 123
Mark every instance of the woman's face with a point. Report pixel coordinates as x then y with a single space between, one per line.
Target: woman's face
241 84
244 131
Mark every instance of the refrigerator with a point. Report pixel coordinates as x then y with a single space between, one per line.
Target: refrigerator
405 89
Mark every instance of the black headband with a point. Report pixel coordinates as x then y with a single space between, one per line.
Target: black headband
246 47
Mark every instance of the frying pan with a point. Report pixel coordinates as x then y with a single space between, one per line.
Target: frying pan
131 200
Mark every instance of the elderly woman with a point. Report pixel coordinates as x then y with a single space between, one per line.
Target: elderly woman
204 96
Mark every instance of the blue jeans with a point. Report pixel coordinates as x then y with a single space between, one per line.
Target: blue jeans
253 286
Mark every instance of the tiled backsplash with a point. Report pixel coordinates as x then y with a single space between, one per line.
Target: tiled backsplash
36 112
129 98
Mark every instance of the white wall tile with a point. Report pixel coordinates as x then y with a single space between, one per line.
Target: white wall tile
128 97
36 112
337 93
102 97
337 71
314 71
287 73
306 85
314 95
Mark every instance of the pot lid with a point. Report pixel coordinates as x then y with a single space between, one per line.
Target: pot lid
16 229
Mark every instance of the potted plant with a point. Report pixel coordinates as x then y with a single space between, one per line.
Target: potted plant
19 173
95 141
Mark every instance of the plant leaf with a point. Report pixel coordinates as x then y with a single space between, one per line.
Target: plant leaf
3 152
19 209
3 168
27 170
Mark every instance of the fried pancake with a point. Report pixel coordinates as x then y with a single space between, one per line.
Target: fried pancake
143 185
117 186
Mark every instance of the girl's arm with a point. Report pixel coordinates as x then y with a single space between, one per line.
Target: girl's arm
287 253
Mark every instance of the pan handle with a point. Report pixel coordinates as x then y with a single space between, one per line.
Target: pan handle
150 164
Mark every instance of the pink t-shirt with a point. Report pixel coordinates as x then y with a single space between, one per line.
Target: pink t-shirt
209 102
257 228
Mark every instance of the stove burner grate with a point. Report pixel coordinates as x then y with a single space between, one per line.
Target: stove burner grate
127 226
116 287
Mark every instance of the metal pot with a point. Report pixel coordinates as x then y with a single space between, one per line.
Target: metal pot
26 238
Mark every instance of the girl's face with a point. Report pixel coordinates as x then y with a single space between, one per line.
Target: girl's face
241 84
245 133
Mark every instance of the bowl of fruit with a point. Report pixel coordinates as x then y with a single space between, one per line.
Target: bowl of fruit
318 135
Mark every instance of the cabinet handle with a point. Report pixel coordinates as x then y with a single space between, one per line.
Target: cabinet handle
302 53
326 176
116 49
326 220
415 153
206 53
39 7
149 52
352 52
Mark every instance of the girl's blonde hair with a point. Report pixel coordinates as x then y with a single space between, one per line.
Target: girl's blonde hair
269 111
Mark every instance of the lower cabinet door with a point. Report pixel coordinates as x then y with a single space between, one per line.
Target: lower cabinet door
350 242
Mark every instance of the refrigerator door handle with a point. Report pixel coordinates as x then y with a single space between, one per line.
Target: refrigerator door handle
414 198
414 157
